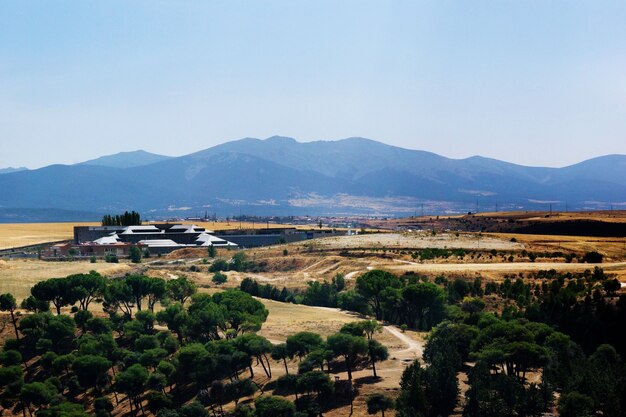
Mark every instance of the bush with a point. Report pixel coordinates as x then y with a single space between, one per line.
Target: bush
219 278
218 265
593 257
135 254
111 258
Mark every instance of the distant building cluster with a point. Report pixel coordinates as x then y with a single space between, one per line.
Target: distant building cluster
162 238
117 240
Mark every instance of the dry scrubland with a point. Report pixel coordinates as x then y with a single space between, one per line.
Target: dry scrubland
323 258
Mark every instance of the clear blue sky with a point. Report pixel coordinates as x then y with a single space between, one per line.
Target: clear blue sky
531 82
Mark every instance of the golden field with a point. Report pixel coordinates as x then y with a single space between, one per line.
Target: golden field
24 234
18 276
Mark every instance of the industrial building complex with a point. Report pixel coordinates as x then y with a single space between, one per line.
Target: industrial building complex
160 238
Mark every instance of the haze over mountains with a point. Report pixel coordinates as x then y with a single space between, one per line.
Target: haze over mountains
281 176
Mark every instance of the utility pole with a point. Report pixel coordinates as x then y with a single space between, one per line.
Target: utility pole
496 207
422 209
550 209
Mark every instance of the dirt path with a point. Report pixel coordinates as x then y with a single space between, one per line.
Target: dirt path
415 348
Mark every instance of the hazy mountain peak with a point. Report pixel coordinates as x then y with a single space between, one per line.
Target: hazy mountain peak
281 140
127 159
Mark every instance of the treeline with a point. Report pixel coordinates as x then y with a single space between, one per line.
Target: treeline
239 262
127 219
77 363
400 300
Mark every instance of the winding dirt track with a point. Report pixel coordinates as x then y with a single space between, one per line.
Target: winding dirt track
414 348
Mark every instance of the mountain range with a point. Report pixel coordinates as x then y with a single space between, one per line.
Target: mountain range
281 176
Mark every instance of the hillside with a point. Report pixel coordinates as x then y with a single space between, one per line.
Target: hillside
282 176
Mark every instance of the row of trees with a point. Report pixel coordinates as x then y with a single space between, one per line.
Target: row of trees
127 219
132 292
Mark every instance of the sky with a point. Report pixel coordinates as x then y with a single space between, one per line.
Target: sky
539 83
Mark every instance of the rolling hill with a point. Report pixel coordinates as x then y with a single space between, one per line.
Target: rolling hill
279 175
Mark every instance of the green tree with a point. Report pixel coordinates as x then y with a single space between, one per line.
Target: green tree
377 353
87 287
180 289
36 394
442 387
280 352
58 291
412 401
370 327
135 254
378 403
211 251
8 303
349 347
575 404
372 283
256 346
604 380
272 406
132 382
472 306
302 343
157 291
239 262
118 295
317 382
175 317
425 304
90 369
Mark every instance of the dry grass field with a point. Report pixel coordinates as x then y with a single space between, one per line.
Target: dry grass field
611 247
23 234
18 276
416 240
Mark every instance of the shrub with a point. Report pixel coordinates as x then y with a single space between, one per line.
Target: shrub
219 278
593 257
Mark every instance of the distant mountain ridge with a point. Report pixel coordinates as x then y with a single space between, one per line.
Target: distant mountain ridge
281 176
127 159
11 169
